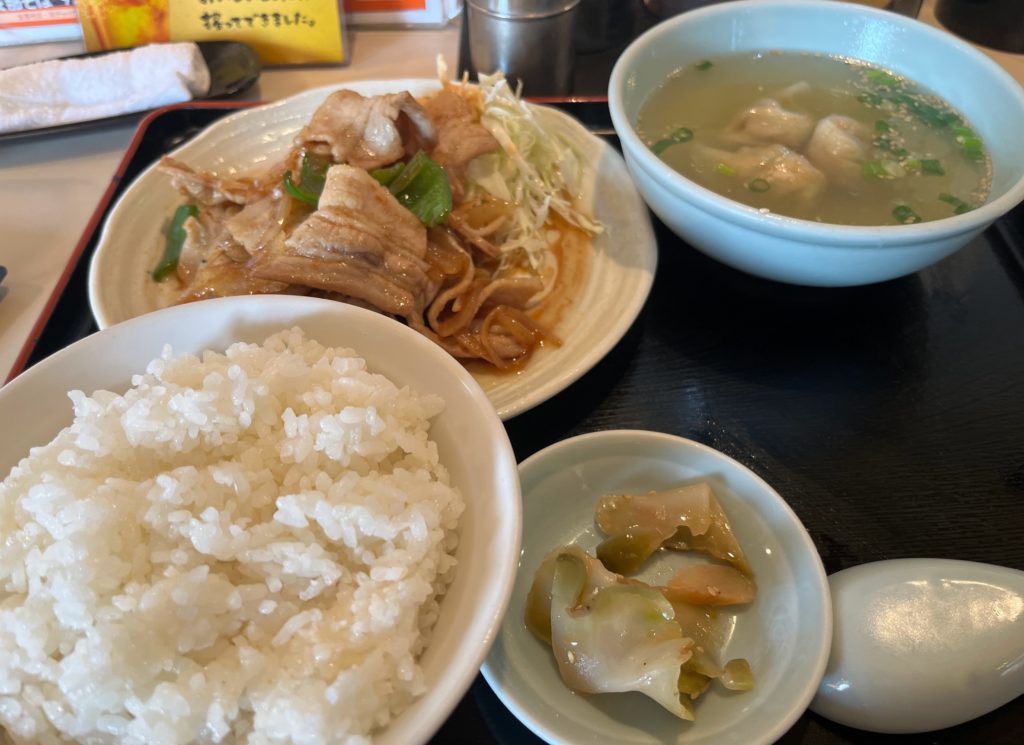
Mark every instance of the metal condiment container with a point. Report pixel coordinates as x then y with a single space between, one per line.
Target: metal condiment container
530 40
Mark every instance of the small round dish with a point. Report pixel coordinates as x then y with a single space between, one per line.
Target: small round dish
785 633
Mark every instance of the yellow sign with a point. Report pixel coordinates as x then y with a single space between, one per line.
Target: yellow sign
282 32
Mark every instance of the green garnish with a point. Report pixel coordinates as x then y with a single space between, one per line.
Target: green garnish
873 169
881 77
705 65
725 169
904 215
959 206
313 172
936 117
911 164
882 126
932 167
759 185
312 177
175 240
870 99
409 172
422 186
887 144
296 192
386 175
683 134
882 169
973 149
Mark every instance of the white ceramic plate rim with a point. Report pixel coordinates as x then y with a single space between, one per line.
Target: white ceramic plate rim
546 459
607 325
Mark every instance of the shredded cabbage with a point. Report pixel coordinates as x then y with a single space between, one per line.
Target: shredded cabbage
535 170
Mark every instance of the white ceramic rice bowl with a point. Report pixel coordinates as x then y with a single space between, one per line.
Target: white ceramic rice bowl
490 527
801 251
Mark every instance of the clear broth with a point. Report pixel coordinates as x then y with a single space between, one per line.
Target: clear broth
920 159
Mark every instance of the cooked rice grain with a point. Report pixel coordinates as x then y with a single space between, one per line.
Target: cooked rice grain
244 547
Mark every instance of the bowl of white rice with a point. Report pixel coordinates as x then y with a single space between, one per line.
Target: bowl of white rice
257 519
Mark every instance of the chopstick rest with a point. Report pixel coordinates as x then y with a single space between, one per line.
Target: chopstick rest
75 89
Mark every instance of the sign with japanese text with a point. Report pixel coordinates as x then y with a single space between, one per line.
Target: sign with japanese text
32 21
281 31
402 12
356 6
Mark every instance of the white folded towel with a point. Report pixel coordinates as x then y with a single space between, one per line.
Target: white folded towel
61 91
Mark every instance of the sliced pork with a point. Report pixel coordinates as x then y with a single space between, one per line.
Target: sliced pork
206 188
368 132
360 243
203 235
259 223
460 135
355 241
214 264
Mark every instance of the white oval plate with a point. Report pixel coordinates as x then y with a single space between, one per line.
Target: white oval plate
619 279
785 634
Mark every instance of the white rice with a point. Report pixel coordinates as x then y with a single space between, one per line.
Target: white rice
247 547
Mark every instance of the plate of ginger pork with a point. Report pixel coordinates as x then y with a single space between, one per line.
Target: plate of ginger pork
502 230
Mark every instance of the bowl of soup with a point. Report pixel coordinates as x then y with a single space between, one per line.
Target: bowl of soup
818 143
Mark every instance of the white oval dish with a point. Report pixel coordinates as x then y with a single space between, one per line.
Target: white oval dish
785 634
619 279
923 644
490 527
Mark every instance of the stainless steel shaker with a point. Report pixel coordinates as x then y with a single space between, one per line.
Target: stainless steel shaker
530 40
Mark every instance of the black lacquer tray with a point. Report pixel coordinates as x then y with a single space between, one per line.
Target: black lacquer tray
890 417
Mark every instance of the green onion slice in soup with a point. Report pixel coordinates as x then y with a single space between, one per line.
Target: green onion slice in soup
959 206
905 215
683 134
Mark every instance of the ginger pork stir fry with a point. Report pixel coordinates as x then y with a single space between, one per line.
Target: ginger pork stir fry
452 213
611 633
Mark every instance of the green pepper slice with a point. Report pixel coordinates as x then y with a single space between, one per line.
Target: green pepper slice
421 186
175 240
312 177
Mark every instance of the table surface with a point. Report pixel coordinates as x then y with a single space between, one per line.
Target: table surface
890 417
